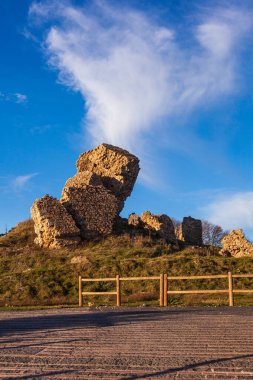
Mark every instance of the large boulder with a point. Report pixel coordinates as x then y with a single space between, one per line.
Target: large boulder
117 168
161 225
190 231
54 226
236 244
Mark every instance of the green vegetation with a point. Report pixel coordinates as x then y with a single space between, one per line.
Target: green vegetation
33 276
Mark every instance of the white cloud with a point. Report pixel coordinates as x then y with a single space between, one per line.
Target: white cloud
220 33
231 211
20 181
137 77
133 73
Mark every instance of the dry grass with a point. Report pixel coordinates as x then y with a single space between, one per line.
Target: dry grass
30 275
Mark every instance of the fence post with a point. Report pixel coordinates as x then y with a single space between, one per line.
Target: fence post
230 289
80 292
118 301
165 291
161 290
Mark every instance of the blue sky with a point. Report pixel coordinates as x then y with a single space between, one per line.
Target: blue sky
170 81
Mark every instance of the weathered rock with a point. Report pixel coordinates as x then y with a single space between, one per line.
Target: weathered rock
54 227
91 200
134 220
93 208
83 179
160 224
190 231
80 260
117 168
236 244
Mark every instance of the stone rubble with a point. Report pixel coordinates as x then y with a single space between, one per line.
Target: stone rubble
161 225
134 220
236 244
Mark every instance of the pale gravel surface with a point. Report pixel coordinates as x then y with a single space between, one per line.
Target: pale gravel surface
127 343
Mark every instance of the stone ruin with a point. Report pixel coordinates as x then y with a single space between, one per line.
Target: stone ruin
91 200
187 233
160 226
190 231
236 244
54 226
117 168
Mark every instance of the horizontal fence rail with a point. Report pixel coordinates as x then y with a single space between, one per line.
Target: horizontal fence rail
164 286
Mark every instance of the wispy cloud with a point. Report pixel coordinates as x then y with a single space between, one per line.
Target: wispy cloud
16 97
231 210
133 73
10 184
29 35
20 98
21 181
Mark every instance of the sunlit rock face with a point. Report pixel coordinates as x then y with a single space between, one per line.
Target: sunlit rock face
161 225
236 244
54 226
117 168
134 220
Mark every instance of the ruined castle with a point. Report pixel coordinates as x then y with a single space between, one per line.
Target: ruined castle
92 200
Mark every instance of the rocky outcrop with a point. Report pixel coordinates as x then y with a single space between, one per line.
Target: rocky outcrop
190 231
161 225
236 244
91 200
117 168
54 226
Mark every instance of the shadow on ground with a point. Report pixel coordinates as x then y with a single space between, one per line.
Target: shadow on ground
81 318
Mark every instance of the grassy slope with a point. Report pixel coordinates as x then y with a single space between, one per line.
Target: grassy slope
30 275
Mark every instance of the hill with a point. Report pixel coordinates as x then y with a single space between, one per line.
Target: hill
30 275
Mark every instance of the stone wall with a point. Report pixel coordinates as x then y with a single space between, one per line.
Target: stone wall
190 231
93 208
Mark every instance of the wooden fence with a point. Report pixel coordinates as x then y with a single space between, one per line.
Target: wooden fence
164 280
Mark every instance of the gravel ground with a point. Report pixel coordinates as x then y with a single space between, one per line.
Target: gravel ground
132 343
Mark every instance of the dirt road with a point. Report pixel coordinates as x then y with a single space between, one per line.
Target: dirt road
132 343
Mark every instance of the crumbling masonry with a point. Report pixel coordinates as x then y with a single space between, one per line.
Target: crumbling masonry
92 200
